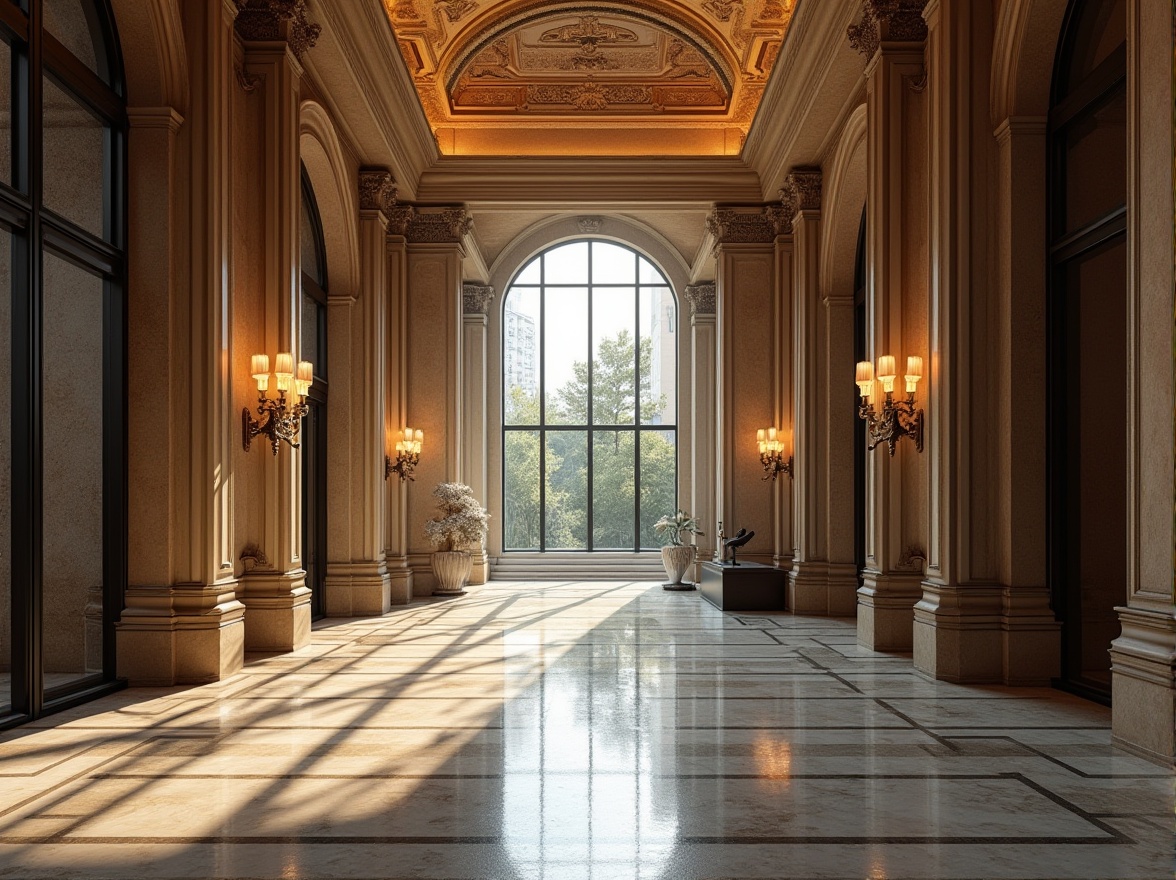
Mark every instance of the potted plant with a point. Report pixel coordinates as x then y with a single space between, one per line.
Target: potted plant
677 556
462 523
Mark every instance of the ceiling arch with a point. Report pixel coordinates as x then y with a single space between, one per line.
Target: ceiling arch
644 77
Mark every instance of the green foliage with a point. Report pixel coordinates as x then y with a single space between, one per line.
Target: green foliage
565 460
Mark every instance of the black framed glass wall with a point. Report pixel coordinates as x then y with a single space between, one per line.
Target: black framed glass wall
590 400
313 348
1087 344
62 353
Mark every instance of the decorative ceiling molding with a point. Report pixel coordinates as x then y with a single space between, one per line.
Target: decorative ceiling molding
618 78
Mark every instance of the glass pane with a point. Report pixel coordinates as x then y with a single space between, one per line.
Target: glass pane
1096 161
75 25
308 345
72 381
647 273
659 480
566 264
567 490
75 154
1096 389
613 264
614 312
308 249
520 495
613 481
531 273
659 357
565 357
1100 29
5 470
520 356
5 112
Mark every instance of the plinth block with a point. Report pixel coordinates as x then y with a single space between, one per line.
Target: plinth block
748 586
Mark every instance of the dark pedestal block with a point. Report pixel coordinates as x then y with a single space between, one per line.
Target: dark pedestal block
748 586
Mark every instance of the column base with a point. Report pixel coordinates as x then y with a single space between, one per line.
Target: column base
424 582
828 589
400 581
958 635
1143 681
277 610
480 569
886 610
357 589
180 635
1032 638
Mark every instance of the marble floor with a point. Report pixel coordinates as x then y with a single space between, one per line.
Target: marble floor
580 730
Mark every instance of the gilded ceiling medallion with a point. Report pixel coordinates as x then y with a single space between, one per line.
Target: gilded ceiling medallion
623 78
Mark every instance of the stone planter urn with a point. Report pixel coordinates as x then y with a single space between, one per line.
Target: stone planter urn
677 560
452 570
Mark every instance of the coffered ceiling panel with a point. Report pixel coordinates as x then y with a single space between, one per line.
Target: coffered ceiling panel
655 77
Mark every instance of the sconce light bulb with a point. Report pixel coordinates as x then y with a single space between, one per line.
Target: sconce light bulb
305 373
284 365
259 365
914 369
419 436
760 436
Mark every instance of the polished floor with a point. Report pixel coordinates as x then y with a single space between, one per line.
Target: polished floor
560 731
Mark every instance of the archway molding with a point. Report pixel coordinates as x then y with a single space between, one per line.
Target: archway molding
334 187
842 203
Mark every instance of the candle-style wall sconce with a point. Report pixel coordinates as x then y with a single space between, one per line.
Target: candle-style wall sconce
408 455
774 455
897 419
282 417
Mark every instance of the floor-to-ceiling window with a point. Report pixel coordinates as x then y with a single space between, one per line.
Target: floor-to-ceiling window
590 400
1087 312
62 353
314 426
859 436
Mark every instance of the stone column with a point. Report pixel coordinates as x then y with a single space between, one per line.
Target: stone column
476 300
275 34
357 582
703 417
745 262
783 377
434 319
396 405
891 36
182 623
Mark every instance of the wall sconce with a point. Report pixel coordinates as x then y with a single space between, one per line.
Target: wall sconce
771 451
283 420
897 419
408 455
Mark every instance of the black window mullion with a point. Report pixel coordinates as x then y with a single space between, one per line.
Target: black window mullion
637 405
542 404
590 494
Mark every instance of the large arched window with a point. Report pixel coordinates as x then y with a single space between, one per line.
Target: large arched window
1087 309
62 353
590 400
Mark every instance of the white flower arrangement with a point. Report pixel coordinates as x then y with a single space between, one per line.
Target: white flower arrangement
681 523
463 521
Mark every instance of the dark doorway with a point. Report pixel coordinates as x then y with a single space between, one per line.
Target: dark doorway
1087 344
314 426
859 434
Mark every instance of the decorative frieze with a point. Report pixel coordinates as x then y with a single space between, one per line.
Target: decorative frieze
888 21
701 298
277 20
377 189
740 226
476 298
399 216
590 225
439 226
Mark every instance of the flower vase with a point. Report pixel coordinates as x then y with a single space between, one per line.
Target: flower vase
452 570
677 560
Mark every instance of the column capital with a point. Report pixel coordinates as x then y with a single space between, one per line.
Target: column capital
888 21
701 298
377 189
447 225
741 225
476 298
277 21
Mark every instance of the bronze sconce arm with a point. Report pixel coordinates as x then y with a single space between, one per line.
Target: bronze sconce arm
897 419
282 419
772 457
408 456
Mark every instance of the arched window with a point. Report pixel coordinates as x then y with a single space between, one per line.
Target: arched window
590 400
313 347
1087 315
62 353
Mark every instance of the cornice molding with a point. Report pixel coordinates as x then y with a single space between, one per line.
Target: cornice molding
887 21
701 298
476 298
448 225
377 189
277 21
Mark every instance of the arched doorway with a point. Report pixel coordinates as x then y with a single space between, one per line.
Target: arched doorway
590 400
62 354
313 347
1087 345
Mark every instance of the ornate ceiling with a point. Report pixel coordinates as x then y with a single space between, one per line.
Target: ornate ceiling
653 77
